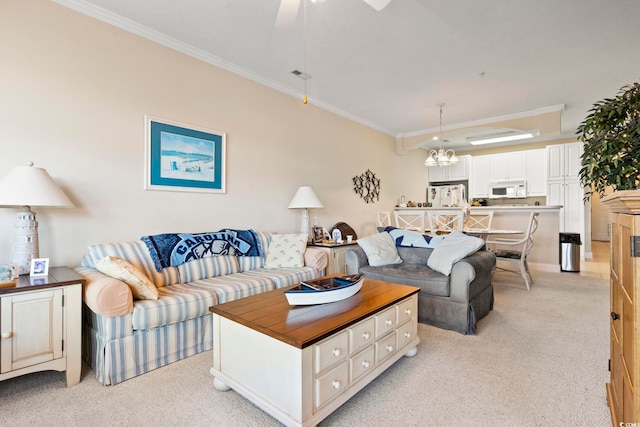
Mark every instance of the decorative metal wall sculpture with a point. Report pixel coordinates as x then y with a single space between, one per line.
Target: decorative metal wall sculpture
367 186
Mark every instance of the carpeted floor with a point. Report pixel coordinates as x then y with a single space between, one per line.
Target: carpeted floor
539 359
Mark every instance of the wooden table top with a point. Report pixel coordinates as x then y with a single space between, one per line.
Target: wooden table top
58 276
301 326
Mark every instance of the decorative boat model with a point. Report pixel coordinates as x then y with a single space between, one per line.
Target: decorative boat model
324 290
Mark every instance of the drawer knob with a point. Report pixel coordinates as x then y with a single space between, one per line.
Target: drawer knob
365 363
336 352
6 335
407 312
366 335
336 384
614 315
407 334
389 348
388 322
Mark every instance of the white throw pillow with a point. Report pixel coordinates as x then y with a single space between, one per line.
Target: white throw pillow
452 249
118 268
380 249
286 251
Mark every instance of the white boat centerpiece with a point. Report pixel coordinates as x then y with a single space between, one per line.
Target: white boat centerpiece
324 290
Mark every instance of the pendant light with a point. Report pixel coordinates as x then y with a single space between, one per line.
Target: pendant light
441 157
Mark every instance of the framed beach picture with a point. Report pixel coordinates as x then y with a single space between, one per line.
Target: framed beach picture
182 157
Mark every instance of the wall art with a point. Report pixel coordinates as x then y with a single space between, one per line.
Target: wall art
182 157
367 186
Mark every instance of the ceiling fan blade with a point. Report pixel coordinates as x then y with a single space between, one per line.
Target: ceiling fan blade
287 13
377 4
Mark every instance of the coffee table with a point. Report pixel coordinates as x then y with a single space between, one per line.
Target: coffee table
299 364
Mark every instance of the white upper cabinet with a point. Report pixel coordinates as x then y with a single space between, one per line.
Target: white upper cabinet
536 175
563 161
509 166
480 178
457 172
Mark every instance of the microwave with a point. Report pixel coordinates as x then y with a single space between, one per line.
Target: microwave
508 190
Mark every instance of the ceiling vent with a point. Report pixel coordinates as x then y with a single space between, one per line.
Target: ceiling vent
300 74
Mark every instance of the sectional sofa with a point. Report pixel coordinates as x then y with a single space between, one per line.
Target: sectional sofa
124 336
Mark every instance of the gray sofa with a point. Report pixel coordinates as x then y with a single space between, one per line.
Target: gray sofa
456 302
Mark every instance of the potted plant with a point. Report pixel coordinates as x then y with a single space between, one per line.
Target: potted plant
611 137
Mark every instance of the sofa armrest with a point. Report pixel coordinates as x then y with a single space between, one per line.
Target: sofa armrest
477 268
105 295
316 258
355 259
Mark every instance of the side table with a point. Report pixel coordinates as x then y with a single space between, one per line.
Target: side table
335 254
40 325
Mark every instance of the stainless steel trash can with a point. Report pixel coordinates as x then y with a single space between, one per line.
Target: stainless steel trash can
570 252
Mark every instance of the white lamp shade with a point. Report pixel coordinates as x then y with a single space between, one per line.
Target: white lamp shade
305 198
31 186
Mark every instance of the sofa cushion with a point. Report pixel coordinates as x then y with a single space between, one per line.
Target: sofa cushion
118 268
234 286
137 254
429 281
380 249
452 249
211 266
286 251
176 303
282 277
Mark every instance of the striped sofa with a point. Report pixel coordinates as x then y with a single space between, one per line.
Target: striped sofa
123 337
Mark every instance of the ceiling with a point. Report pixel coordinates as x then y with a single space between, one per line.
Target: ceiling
487 60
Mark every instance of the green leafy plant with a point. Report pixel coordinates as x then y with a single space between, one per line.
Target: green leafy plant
611 137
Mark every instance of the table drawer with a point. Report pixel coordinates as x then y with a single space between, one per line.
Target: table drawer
332 351
385 347
385 321
407 310
332 384
361 335
362 363
406 333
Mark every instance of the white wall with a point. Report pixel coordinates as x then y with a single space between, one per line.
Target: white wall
73 95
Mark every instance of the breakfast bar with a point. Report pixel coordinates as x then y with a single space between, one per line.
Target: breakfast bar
545 254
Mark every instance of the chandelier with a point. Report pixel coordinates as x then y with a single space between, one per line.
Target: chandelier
441 157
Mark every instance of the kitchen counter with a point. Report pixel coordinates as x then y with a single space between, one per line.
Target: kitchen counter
545 254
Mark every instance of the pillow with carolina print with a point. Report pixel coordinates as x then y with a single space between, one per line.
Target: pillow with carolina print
286 251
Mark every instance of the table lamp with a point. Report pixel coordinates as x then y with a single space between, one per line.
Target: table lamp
305 199
28 186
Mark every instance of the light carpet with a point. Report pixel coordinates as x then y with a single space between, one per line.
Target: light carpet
539 359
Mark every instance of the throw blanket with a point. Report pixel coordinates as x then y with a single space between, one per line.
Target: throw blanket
174 249
413 239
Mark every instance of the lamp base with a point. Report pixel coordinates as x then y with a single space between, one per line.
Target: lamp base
25 240
304 227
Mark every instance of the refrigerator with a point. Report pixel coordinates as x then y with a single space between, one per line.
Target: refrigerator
444 196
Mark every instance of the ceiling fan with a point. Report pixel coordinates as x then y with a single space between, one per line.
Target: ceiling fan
289 10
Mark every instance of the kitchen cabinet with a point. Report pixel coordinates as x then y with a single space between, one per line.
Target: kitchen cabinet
457 172
480 177
563 185
509 166
536 172
563 161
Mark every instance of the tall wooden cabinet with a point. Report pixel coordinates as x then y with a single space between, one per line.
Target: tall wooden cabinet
624 363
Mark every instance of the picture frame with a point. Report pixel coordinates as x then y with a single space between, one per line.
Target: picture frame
39 267
182 157
318 234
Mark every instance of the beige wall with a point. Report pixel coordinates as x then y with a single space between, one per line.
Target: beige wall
73 95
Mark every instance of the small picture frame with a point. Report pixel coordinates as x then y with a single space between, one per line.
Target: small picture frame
39 267
317 234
